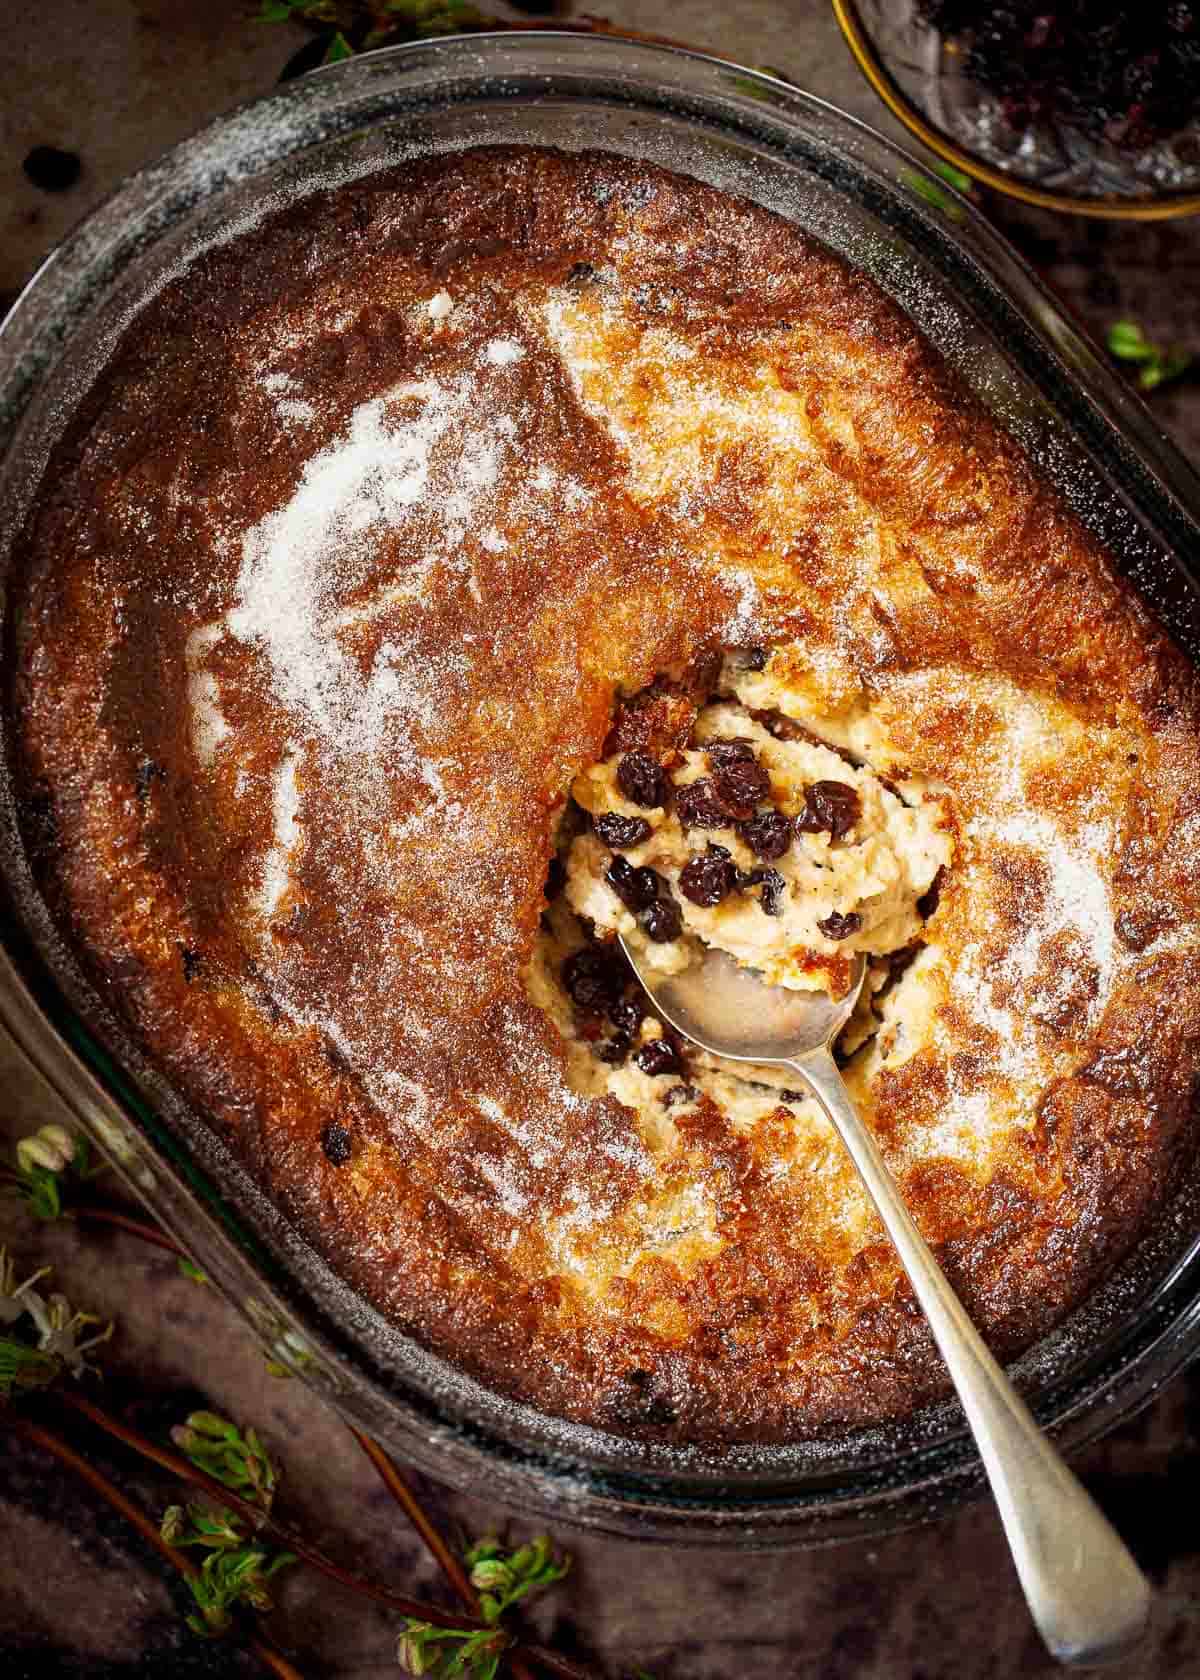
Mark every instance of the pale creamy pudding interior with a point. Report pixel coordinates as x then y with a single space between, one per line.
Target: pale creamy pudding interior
773 846
722 821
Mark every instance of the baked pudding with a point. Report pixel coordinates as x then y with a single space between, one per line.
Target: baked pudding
476 560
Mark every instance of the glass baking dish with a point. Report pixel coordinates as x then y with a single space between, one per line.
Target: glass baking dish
749 134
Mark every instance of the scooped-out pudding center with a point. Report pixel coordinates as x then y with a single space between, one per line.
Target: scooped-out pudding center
712 821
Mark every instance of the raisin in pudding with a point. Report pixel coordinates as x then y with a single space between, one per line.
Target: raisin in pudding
758 839
479 559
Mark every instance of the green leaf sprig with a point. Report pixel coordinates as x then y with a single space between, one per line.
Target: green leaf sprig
958 178
1156 364
452 1653
359 25
237 1461
238 1565
24 1367
236 1570
502 1579
280 11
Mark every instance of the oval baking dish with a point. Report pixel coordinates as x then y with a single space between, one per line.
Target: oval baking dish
750 135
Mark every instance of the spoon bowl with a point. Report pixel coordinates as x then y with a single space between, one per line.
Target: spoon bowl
730 1011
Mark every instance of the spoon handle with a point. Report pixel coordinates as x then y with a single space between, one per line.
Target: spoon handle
1087 1596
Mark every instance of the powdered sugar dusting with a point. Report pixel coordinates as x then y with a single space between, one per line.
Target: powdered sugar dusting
334 599
1019 986
366 482
288 407
745 618
331 598
531 1140
513 1200
501 352
1078 895
210 727
285 806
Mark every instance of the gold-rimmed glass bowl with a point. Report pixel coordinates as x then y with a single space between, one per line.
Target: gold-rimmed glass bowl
920 74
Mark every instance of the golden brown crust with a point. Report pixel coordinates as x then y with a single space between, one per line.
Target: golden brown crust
384 989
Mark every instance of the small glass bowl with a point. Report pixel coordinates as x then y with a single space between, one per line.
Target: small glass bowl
918 73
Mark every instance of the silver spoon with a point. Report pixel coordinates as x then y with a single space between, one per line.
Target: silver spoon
1087 1596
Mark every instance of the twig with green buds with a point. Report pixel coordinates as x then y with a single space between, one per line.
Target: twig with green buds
447 1653
238 1566
502 1579
238 1461
236 1570
48 1441
358 25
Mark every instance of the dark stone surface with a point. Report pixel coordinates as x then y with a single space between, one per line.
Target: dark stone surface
116 81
